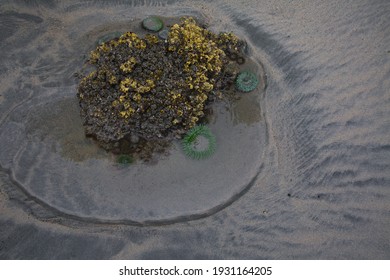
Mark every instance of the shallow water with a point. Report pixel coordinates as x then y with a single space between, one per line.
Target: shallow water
323 187
53 161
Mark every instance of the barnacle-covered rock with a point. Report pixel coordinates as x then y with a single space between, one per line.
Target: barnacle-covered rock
154 89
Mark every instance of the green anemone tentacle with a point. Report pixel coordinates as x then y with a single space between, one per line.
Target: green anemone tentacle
246 81
190 139
125 159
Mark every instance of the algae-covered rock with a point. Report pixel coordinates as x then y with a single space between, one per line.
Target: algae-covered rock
153 89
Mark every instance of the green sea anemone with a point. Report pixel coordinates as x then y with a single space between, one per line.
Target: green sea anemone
108 37
152 24
125 159
246 81
199 142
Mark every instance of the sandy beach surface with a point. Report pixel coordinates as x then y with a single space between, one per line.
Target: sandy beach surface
307 176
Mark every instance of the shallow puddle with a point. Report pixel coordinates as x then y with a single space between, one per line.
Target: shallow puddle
53 161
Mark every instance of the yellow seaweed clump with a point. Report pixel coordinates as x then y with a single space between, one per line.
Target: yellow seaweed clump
197 45
203 62
128 65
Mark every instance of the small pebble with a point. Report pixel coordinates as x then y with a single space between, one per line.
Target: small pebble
163 34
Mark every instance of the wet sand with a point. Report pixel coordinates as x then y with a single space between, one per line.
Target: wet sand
323 189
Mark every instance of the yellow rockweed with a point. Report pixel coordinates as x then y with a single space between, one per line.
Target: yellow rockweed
128 66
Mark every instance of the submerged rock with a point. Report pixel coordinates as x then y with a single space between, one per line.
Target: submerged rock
163 34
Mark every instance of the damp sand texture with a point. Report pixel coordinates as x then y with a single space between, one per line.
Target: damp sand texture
321 190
